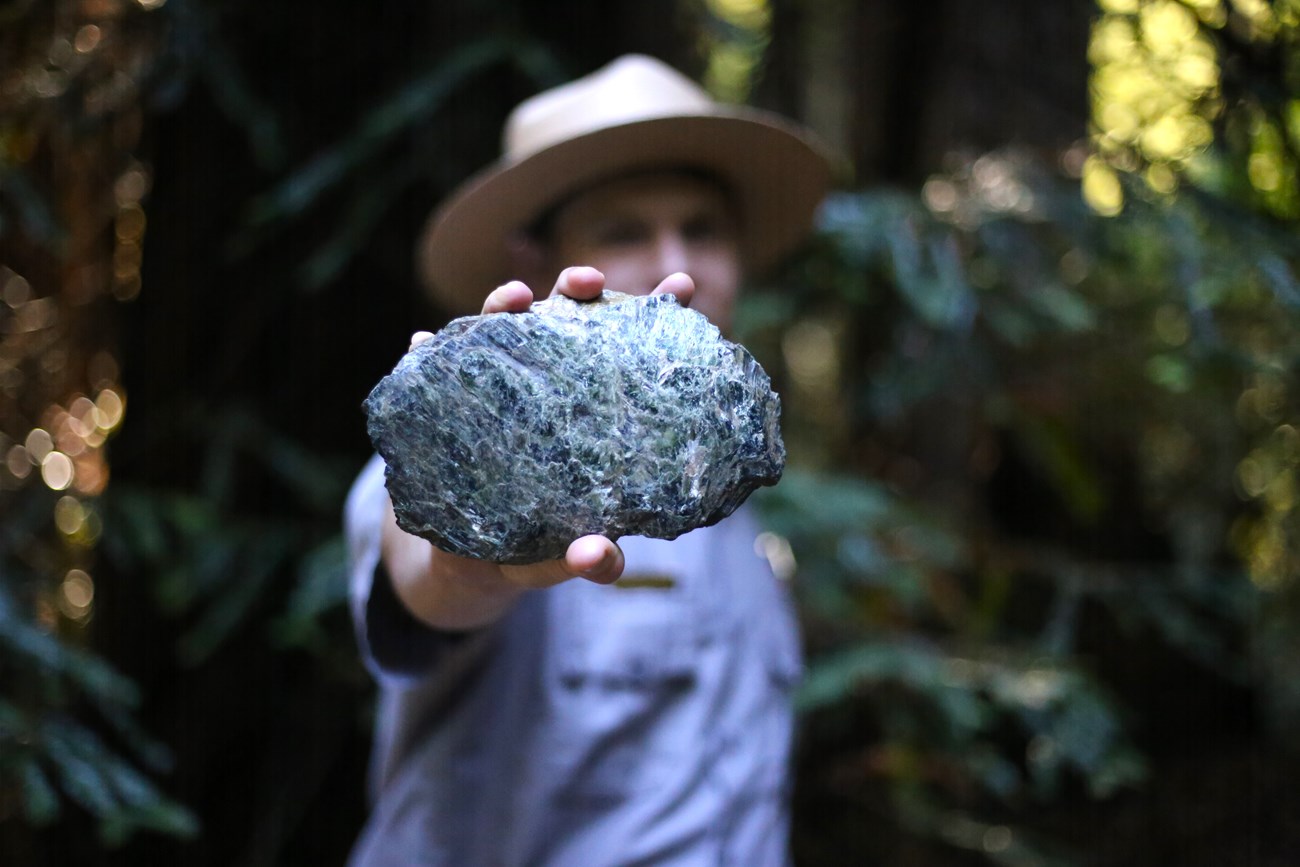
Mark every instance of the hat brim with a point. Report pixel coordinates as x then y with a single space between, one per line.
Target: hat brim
778 173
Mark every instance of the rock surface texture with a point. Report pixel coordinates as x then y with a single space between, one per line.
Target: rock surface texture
507 436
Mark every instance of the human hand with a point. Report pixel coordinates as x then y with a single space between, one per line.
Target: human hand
595 558
446 591
453 592
581 283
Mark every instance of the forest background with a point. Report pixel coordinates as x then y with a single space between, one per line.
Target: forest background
1039 369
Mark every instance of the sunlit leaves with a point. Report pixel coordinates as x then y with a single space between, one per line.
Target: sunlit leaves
1101 187
1160 72
71 235
1271 166
1270 475
1154 86
1134 364
1177 93
735 41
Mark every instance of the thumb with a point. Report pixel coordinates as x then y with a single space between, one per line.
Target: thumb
594 558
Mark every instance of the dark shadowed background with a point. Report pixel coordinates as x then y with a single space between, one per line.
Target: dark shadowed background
1039 367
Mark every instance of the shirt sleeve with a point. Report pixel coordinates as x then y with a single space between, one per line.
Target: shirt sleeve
396 647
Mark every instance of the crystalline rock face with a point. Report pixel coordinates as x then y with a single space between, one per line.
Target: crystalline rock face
508 435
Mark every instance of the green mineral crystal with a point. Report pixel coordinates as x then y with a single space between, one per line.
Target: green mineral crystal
507 436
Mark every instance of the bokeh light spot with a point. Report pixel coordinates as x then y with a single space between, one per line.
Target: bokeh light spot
130 223
777 552
1101 188
19 462
87 39
39 443
1264 171
17 291
111 408
76 594
997 839
940 195
69 515
131 187
56 471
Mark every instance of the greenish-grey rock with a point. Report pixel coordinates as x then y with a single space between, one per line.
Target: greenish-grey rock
507 436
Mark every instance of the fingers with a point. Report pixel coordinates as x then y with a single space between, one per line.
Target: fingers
680 285
580 283
516 297
594 558
513 297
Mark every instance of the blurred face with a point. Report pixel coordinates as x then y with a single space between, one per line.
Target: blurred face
640 229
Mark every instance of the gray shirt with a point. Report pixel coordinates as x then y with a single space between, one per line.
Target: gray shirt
644 723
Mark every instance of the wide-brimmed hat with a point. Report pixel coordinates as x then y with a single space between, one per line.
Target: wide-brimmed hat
634 114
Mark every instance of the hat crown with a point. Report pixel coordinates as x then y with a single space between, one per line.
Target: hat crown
630 89
634 114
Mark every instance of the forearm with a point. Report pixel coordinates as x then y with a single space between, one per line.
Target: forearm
441 589
456 593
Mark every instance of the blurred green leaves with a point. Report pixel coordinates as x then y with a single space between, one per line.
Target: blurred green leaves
1025 438
54 698
359 163
1035 419
214 562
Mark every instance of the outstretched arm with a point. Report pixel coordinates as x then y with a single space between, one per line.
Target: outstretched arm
457 593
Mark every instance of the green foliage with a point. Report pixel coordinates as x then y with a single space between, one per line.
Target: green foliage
54 698
213 560
993 333
358 160
196 51
241 534
1010 420
213 566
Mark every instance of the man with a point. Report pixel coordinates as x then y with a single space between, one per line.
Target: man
557 713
